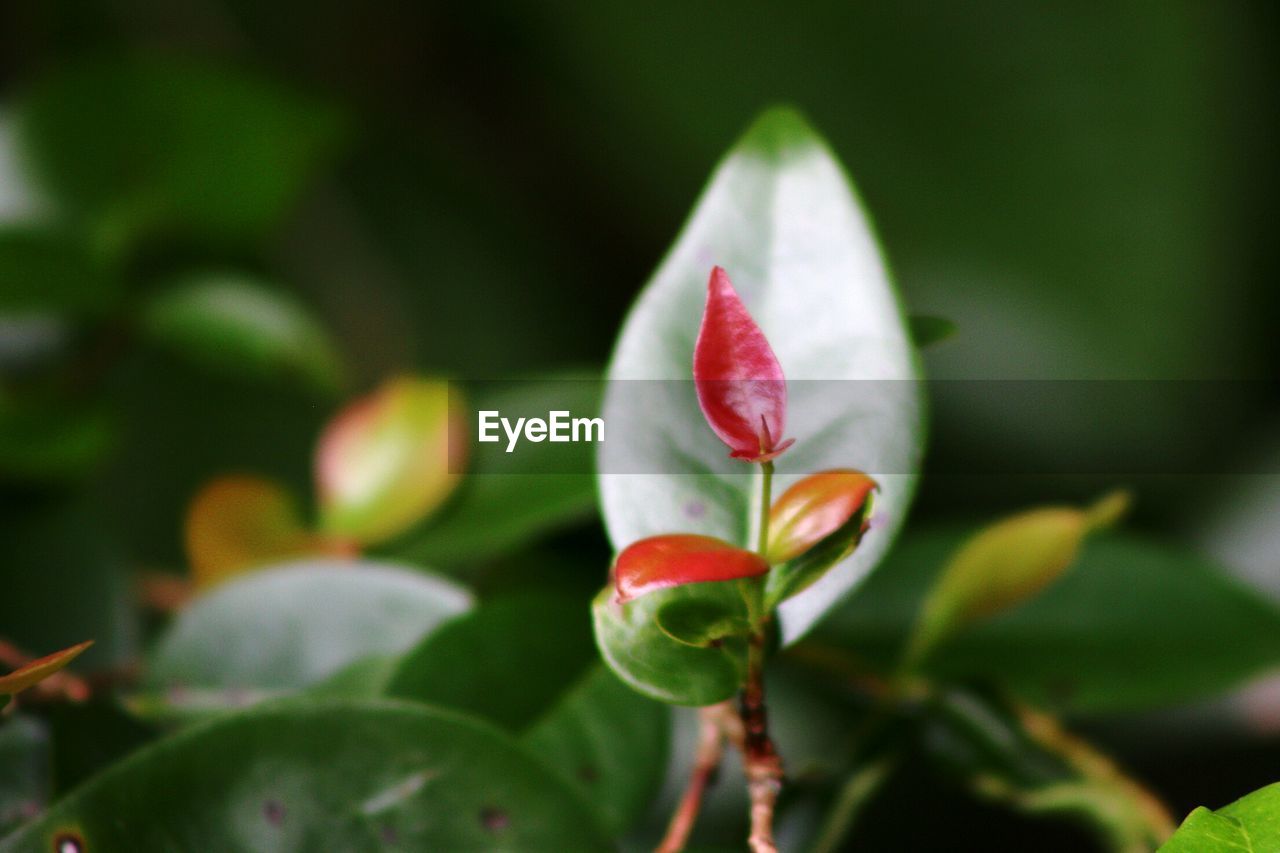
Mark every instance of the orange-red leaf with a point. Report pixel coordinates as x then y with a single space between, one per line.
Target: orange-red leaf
38 670
660 562
814 508
740 385
239 521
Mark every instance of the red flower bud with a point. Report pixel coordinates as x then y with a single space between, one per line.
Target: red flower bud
660 562
741 389
814 508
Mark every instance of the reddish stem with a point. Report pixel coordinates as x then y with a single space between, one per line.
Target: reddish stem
759 756
711 735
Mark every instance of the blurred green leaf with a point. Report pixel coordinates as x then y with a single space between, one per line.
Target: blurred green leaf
138 144
927 331
233 322
333 775
44 271
781 217
1251 823
506 661
526 663
608 743
1132 625
660 666
24 770
1004 565
508 499
41 442
287 627
388 459
365 678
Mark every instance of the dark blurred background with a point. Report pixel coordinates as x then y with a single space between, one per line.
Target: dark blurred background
1087 190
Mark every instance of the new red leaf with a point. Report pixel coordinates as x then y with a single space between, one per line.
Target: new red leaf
814 508
38 670
660 562
741 389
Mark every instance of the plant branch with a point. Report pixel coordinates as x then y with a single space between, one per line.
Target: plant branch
760 758
712 722
1125 808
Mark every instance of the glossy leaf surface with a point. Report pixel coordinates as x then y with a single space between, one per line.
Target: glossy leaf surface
659 666
741 388
780 214
289 626
814 508
506 661
340 774
662 562
527 664
805 569
386 461
608 742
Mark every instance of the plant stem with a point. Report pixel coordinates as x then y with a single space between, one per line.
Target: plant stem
759 756
711 735
766 487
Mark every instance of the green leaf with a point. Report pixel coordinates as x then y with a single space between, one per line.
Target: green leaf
141 144
506 661
1249 825
290 626
239 324
367 678
61 441
701 621
508 499
341 774
609 743
526 664
1133 625
781 217
795 575
1004 565
664 668
927 331
49 272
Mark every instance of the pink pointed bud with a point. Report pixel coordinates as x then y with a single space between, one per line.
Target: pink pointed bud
660 562
741 389
813 509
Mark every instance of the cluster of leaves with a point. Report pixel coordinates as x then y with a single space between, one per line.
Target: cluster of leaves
940 638
181 154
334 700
